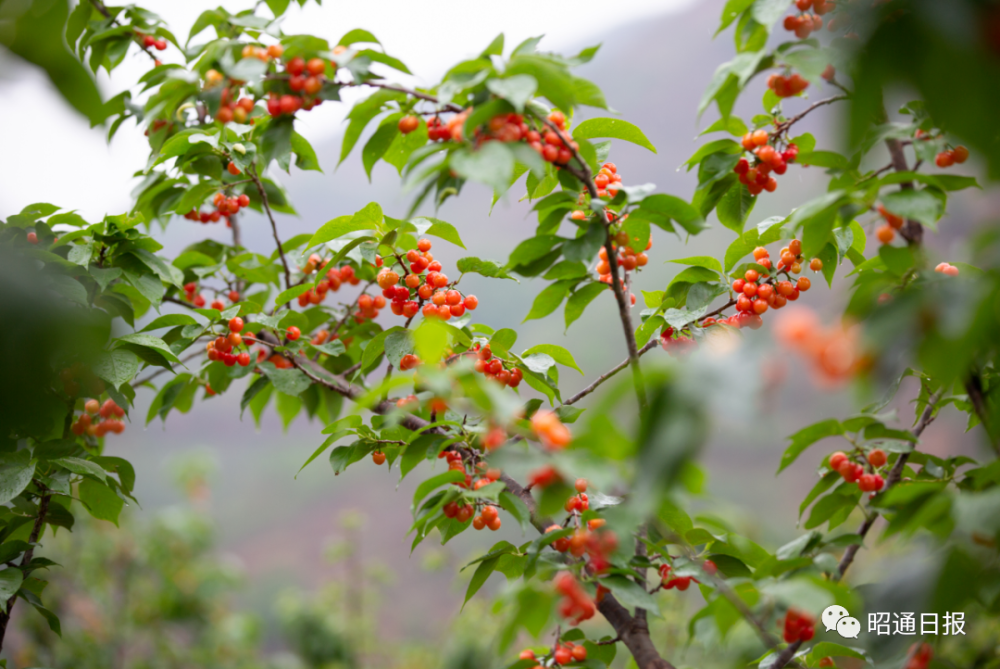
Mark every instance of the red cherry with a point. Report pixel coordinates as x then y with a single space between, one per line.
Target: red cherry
293 333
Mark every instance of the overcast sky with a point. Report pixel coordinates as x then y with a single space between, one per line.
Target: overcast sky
51 154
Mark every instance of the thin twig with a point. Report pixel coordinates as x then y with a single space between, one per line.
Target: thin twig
650 345
785 125
164 370
274 226
99 6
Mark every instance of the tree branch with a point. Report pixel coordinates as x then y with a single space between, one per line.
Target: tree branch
626 319
974 389
785 656
274 226
785 125
36 531
650 345
409 91
894 476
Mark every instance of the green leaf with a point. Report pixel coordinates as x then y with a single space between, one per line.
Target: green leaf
433 483
438 228
830 649
252 391
734 208
558 353
100 500
630 593
169 321
829 159
548 300
488 268
286 296
341 226
502 340
491 164
288 381
766 12
516 90
305 155
118 366
10 582
16 470
808 436
581 298
612 128
482 573
708 262
920 205
144 341
379 143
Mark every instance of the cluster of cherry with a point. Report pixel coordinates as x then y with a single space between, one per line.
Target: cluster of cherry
805 23
221 348
150 42
669 580
576 605
786 87
305 81
335 278
766 159
564 653
429 288
109 412
224 207
494 369
799 626
854 472
757 292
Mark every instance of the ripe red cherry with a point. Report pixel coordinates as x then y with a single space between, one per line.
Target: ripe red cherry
378 457
581 485
236 324
316 66
32 238
233 296
424 245
563 656
877 457
293 333
837 459
295 66
243 359
408 124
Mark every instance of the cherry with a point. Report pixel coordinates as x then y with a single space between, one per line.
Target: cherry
293 333
424 245
378 457
234 296
815 264
236 324
408 361
960 154
233 169
877 457
526 654
243 359
944 159
885 233
218 305
826 663
837 459
581 485
563 656
408 124
92 406
710 568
